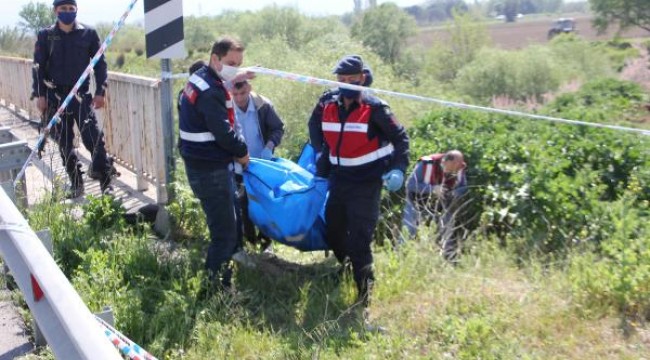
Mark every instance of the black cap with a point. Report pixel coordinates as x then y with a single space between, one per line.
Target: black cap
349 65
64 2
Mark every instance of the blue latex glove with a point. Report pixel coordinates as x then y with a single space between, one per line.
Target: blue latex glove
267 154
393 180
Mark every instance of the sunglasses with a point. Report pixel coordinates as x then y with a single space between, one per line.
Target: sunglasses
448 157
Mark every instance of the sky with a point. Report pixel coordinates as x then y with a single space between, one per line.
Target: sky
94 11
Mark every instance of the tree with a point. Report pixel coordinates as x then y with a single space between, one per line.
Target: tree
385 29
36 16
626 13
467 36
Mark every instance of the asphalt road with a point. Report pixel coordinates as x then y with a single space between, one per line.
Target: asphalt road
14 340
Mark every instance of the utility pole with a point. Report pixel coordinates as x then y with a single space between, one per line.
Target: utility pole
163 26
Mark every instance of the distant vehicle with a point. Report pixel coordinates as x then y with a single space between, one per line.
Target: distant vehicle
562 26
503 17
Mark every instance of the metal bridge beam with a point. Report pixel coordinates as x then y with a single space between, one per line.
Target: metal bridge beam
68 326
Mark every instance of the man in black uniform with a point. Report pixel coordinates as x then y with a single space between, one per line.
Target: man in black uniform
209 146
363 145
61 55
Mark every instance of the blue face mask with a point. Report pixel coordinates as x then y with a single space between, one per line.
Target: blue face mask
67 18
349 93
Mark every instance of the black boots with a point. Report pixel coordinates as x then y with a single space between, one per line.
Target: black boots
105 178
76 182
105 184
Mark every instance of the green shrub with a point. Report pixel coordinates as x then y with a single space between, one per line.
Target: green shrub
541 188
15 42
579 59
602 100
522 75
467 36
618 276
532 72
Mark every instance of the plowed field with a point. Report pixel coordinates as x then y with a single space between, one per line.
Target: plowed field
526 32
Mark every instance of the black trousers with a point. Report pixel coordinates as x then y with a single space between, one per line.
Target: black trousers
80 112
245 226
351 215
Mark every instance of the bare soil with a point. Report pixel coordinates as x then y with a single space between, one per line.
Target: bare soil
526 32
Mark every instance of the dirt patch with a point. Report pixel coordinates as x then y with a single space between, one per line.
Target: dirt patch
527 32
638 69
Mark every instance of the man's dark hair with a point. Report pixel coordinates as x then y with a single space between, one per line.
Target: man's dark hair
240 84
225 44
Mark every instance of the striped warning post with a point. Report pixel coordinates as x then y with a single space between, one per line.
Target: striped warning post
163 26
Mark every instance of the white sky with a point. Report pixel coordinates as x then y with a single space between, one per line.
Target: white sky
93 11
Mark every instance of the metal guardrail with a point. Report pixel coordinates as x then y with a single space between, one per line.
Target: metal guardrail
68 326
131 120
13 154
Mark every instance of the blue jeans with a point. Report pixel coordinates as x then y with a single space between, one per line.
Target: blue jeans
215 190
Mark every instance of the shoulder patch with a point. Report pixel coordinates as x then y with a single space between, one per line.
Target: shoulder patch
199 82
190 94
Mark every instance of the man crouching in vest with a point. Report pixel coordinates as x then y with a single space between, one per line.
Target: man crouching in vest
436 191
209 146
363 145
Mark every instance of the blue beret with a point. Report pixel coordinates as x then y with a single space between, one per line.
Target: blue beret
64 2
349 65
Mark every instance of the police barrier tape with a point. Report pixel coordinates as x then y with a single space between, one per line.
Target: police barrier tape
56 118
124 344
322 82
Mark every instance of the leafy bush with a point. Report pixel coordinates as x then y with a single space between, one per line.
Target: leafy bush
15 42
384 29
533 71
618 276
529 73
541 188
467 36
580 59
602 100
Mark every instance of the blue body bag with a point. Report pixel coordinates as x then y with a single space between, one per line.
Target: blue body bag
286 203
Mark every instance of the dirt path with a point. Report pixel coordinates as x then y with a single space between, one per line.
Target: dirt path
638 69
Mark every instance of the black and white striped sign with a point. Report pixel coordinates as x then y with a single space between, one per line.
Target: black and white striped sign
163 26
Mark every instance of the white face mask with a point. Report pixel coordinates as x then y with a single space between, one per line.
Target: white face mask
228 72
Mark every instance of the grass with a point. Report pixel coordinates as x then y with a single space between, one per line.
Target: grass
485 308
488 307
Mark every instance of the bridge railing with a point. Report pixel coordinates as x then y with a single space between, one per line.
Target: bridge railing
131 120
69 327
